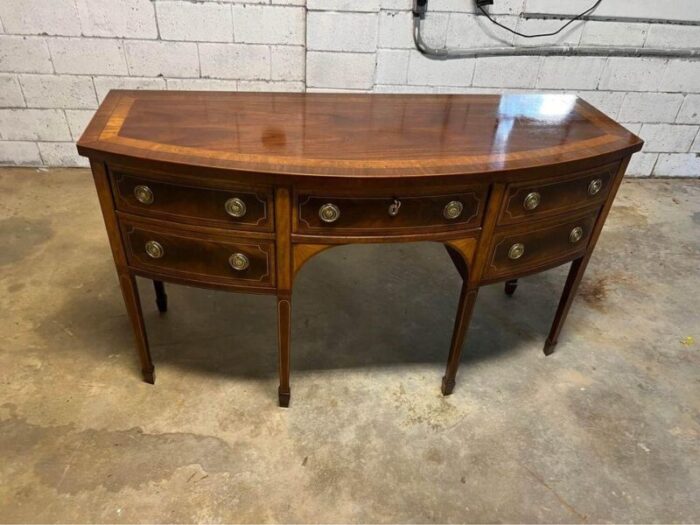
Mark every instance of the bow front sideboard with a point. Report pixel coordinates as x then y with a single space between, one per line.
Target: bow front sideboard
236 191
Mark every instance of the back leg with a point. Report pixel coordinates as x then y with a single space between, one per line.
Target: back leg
511 286
161 297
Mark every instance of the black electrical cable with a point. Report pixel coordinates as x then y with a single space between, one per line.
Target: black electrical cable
577 17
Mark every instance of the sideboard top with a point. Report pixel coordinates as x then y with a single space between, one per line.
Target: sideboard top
353 135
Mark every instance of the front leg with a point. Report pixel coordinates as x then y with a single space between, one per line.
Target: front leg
578 267
284 311
130 292
467 299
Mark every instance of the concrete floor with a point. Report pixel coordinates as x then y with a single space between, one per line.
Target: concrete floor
606 429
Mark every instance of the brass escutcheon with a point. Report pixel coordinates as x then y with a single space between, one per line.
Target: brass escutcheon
394 207
516 251
576 234
329 212
143 194
595 186
154 249
238 261
532 200
452 210
235 207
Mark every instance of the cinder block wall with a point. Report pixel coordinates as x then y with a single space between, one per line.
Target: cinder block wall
58 59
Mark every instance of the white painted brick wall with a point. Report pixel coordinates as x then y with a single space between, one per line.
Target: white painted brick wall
24 55
239 61
83 56
122 18
104 84
340 70
162 59
188 21
10 92
34 124
668 137
31 17
330 31
268 24
570 72
650 107
58 91
690 110
19 153
60 58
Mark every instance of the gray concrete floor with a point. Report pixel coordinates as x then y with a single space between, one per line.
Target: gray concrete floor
606 429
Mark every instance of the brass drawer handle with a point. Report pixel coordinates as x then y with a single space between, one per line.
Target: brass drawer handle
329 213
595 186
154 249
394 208
239 261
452 210
143 194
576 234
532 200
516 251
235 207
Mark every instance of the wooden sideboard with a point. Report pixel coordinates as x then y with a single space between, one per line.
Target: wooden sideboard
236 191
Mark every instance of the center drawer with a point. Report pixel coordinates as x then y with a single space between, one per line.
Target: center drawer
194 256
376 215
240 209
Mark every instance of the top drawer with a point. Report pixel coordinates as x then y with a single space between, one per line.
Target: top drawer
378 215
549 197
245 209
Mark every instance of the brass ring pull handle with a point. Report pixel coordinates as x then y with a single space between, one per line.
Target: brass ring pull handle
516 251
239 262
576 234
154 249
235 207
595 186
452 210
143 194
532 200
329 213
394 207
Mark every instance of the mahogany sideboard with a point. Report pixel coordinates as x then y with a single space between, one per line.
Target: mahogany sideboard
236 191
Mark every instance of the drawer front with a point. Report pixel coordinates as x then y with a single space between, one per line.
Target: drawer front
378 215
241 210
525 201
518 250
206 258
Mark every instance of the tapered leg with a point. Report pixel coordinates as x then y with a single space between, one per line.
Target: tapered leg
578 267
161 296
511 286
467 298
284 307
458 261
130 293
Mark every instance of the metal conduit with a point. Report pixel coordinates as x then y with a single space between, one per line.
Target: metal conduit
445 53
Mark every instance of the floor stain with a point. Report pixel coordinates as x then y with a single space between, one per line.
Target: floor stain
72 461
629 216
19 236
16 287
594 293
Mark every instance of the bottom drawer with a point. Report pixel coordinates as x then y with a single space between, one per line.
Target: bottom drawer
190 255
522 250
